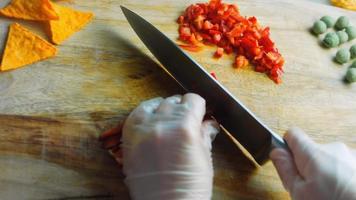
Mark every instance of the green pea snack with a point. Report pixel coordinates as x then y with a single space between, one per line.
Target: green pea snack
353 64
342 56
343 37
353 51
331 40
351 32
319 27
351 75
329 21
341 23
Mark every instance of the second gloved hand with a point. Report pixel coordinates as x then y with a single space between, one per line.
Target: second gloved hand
167 149
314 171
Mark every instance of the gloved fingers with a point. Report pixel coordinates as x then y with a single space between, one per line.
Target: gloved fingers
143 110
287 171
175 99
167 105
302 147
196 104
149 106
209 129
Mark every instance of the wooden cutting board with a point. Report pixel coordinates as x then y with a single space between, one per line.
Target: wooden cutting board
52 112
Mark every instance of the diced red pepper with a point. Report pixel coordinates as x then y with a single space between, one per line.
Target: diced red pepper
241 61
213 75
237 31
189 47
216 38
228 49
221 24
184 32
180 19
219 52
207 25
199 21
260 68
193 39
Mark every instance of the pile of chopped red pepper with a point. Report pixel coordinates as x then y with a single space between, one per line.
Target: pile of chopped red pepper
221 24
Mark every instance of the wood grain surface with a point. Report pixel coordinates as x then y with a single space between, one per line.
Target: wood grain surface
52 112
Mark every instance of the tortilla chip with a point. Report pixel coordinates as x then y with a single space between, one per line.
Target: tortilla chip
347 4
39 10
24 47
70 21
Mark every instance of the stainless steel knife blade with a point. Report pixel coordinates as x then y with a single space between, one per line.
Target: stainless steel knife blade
254 136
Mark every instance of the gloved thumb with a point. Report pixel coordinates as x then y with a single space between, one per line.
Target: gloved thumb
209 129
302 147
284 163
291 166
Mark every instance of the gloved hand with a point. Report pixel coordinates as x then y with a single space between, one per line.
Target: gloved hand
316 171
167 149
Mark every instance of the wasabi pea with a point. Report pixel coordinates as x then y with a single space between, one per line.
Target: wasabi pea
353 51
319 27
341 23
343 37
342 56
351 31
331 40
329 21
351 75
353 64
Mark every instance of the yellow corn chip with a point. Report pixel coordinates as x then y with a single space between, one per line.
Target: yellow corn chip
24 47
70 21
347 4
39 10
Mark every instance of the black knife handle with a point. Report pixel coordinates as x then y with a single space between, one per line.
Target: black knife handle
276 141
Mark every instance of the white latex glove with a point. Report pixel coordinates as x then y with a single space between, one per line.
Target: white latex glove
316 171
167 149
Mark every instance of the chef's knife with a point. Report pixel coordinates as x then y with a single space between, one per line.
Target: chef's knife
254 136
